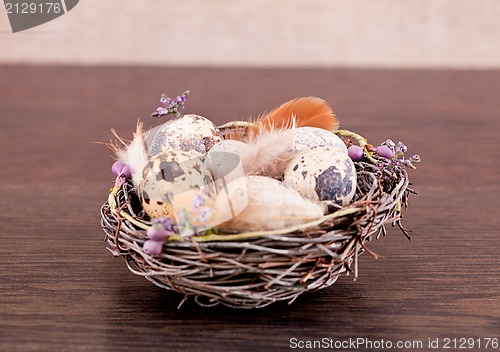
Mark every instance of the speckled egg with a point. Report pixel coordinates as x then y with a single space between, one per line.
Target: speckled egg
323 173
171 181
230 146
224 163
191 134
308 137
224 157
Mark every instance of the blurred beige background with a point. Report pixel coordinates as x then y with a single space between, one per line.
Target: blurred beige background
289 33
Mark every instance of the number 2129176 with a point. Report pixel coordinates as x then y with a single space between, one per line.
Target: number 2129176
469 343
33 7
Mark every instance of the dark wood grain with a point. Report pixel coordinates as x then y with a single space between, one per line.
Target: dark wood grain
60 290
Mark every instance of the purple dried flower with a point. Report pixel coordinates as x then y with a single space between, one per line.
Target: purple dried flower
165 100
171 106
198 201
186 232
408 163
390 144
168 224
204 215
162 111
402 147
393 159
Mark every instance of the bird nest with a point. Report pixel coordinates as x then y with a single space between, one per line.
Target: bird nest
255 269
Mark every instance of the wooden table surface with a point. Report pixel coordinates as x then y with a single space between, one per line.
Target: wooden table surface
61 290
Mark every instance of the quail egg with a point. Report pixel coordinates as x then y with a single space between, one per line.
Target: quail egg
308 137
224 162
171 181
225 157
191 134
323 173
271 205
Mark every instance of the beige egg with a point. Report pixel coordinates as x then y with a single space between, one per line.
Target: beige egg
170 183
323 173
191 134
308 137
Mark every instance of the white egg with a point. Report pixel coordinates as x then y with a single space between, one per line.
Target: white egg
170 183
323 173
191 134
308 137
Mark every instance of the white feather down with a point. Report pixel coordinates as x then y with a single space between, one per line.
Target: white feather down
269 152
135 154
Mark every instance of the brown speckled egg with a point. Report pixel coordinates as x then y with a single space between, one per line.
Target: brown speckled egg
173 178
191 134
308 137
323 173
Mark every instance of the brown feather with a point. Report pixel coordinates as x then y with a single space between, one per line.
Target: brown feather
307 111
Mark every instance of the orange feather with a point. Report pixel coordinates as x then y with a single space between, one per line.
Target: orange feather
307 111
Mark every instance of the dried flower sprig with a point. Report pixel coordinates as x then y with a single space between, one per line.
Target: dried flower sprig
196 220
158 234
171 106
392 157
388 157
187 223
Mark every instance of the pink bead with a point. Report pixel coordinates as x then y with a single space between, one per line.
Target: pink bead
355 152
152 247
157 232
121 169
117 168
126 171
384 151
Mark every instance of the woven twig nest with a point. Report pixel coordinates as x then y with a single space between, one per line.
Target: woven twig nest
255 269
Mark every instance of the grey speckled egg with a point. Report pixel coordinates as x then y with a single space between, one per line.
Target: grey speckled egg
171 181
323 173
192 134
224 162
308 137
225 157
230 146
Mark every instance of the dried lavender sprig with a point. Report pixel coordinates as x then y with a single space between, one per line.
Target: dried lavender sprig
386 165
171 106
